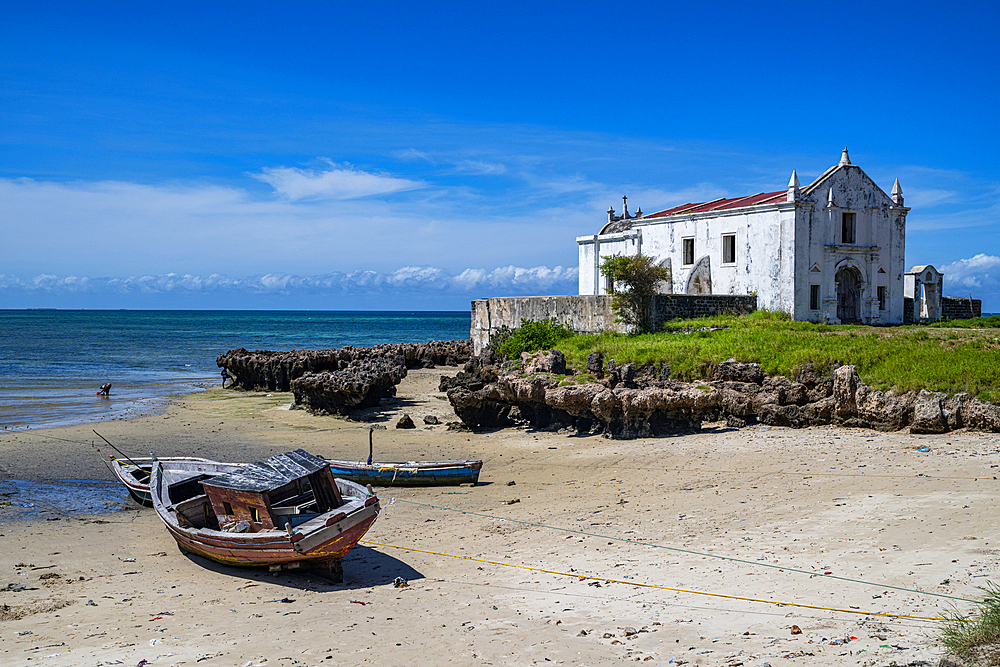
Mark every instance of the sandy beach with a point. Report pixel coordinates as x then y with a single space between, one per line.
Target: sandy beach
700 549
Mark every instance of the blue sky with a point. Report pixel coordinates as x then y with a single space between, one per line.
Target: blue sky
415 156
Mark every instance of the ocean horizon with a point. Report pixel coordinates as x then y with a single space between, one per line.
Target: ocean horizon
53 361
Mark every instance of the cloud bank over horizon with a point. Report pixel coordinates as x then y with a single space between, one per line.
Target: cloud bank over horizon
406 285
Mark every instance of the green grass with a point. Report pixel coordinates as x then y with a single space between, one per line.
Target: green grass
912 357
963 632
991 322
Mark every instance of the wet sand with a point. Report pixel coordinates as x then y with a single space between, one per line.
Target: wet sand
634 536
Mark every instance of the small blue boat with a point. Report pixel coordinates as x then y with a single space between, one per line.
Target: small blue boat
411 473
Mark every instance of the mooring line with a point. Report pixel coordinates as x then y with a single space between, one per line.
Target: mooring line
688 551
655 586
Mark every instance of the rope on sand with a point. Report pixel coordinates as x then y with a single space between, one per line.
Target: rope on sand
656 586
689 551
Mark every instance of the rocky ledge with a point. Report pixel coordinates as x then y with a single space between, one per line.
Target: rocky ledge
626 402
359 384
275 371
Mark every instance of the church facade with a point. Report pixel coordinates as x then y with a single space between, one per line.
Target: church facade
831 251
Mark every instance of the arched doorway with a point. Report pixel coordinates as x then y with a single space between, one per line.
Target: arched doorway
700 278
848 295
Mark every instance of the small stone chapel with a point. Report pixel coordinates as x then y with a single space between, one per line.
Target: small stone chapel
831 251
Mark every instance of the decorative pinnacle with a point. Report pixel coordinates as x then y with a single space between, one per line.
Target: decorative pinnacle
897 194
845 160
829 198
793 187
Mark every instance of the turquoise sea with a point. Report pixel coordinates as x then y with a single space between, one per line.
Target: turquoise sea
52 362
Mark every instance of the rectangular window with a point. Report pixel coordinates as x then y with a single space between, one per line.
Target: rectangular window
254 514
688 251
729 249
847 228
814 297
881 297
227 508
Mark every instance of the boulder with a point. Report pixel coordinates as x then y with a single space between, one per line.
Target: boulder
595 364
981 416
736 371
928 416
360 384
545 361
405 422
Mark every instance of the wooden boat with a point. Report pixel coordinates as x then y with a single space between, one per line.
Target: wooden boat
134 474
283 513
411 473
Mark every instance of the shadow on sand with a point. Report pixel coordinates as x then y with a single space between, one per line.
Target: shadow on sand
364 567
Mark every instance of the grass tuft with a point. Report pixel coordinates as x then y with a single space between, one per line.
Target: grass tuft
962 632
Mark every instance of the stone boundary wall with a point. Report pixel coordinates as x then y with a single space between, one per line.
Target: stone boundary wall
586 313
581 313
666 307
960 308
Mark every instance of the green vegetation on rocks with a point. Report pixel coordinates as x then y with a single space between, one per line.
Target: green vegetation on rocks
529 337
941 359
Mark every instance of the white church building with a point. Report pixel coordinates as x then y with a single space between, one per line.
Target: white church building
829 251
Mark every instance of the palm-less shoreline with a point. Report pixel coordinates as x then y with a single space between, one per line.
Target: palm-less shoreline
750 513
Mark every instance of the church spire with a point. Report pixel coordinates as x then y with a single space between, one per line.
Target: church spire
845 160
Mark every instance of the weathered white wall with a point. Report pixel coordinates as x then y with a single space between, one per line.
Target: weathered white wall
880 238
781 249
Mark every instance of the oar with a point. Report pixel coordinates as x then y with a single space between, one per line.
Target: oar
117 450
370 445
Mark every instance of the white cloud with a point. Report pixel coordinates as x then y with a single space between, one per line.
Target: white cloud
977 272
469 282
480 168
916 197
344 182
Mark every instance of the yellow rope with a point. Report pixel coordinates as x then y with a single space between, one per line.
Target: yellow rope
663 588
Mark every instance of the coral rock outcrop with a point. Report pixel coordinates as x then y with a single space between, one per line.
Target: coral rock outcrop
275 371
630 402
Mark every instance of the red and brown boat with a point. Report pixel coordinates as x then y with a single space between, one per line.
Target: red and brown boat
286 512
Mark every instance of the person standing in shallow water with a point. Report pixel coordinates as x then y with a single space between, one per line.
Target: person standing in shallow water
105 390
225 376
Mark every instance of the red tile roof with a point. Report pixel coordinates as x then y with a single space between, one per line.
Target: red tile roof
722 204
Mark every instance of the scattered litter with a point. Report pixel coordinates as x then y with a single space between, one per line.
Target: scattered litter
22 633
923 449
796 630
127 560
91 603
358 602
154 642
510 502
399 582
511 483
